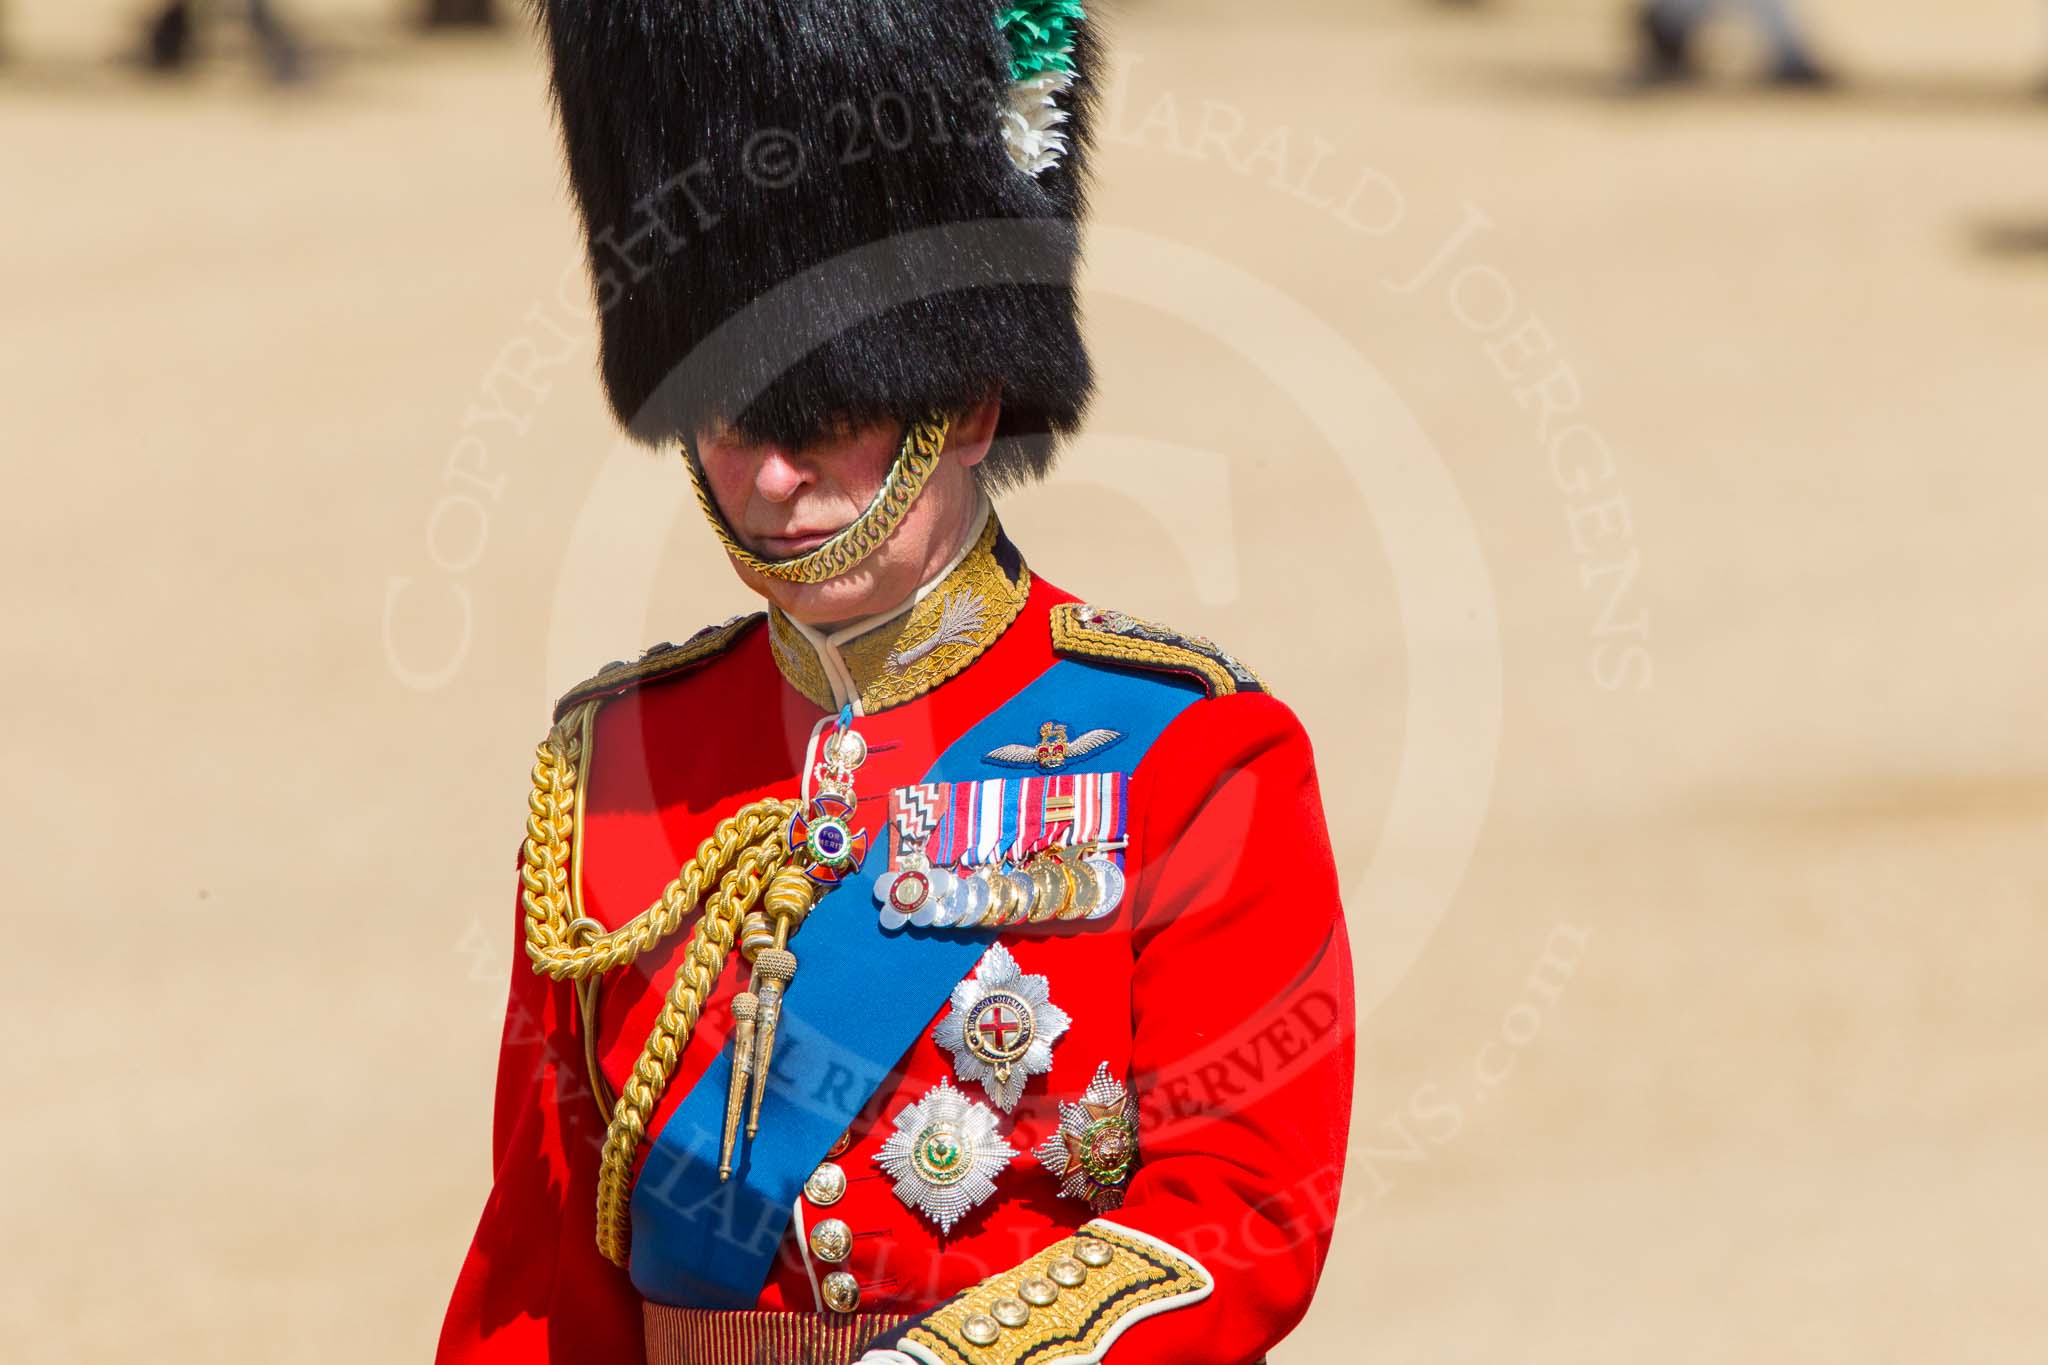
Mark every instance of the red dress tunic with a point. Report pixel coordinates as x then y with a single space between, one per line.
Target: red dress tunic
1220 988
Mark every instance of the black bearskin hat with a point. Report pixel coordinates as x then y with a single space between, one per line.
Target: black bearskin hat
805 214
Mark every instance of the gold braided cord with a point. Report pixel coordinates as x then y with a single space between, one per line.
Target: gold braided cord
559 941
588 995
734 863
916 458
710 942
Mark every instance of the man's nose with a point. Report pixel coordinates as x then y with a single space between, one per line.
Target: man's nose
779 478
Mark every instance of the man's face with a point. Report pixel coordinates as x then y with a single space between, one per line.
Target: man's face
782 503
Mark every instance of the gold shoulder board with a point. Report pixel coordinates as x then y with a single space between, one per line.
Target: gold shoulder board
1098 633
659 661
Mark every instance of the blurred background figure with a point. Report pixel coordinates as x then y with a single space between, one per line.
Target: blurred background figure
170 40
1669 28
460 14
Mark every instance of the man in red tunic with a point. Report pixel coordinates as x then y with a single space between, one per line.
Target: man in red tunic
933 967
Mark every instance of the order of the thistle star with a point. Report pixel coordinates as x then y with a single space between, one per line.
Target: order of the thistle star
1001 1028
944 1155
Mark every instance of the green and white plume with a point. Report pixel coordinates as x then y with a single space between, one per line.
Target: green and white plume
1041 37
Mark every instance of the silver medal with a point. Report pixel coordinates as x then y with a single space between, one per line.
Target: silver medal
911 895
966 903
887 913
939 884
900 894
1112 878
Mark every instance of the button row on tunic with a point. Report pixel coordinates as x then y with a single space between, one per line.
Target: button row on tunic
841 1292
831 1241
827 1185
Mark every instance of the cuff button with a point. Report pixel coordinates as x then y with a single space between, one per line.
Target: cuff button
1038 1291
1067 1272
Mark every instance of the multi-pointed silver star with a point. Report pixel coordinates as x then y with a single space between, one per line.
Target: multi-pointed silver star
1001 1028
945 1155
1096 1147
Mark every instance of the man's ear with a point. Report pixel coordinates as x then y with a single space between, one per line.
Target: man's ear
972 431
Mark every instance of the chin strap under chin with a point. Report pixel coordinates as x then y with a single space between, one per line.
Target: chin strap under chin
916 458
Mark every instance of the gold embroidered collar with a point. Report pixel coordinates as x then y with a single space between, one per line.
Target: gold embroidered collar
885 661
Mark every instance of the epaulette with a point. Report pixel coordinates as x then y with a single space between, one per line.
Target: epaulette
1117 637
660 661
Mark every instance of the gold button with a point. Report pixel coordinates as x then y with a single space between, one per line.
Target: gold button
980 1329
1067 1272
1038 1291
839 1146
831 1240
1092 1252
827 1185
1010 1312
841 1291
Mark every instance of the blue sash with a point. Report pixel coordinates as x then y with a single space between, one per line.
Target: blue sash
861 998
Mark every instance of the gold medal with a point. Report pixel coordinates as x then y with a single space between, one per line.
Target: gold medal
1027 895
1002 901
1055 889
1087 889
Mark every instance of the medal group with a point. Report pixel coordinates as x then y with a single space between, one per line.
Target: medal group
1002 852
948 1148
968 855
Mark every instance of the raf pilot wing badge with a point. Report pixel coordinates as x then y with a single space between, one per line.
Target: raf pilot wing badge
1053 748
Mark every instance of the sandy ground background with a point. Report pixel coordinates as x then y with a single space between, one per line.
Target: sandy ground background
1661 578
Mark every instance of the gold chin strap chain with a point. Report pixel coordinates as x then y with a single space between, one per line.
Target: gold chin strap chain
746 853
916 458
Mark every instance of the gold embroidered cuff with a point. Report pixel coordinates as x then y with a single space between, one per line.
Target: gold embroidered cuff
1068 1303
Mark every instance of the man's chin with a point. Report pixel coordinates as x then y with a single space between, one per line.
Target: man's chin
822 606
776 548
